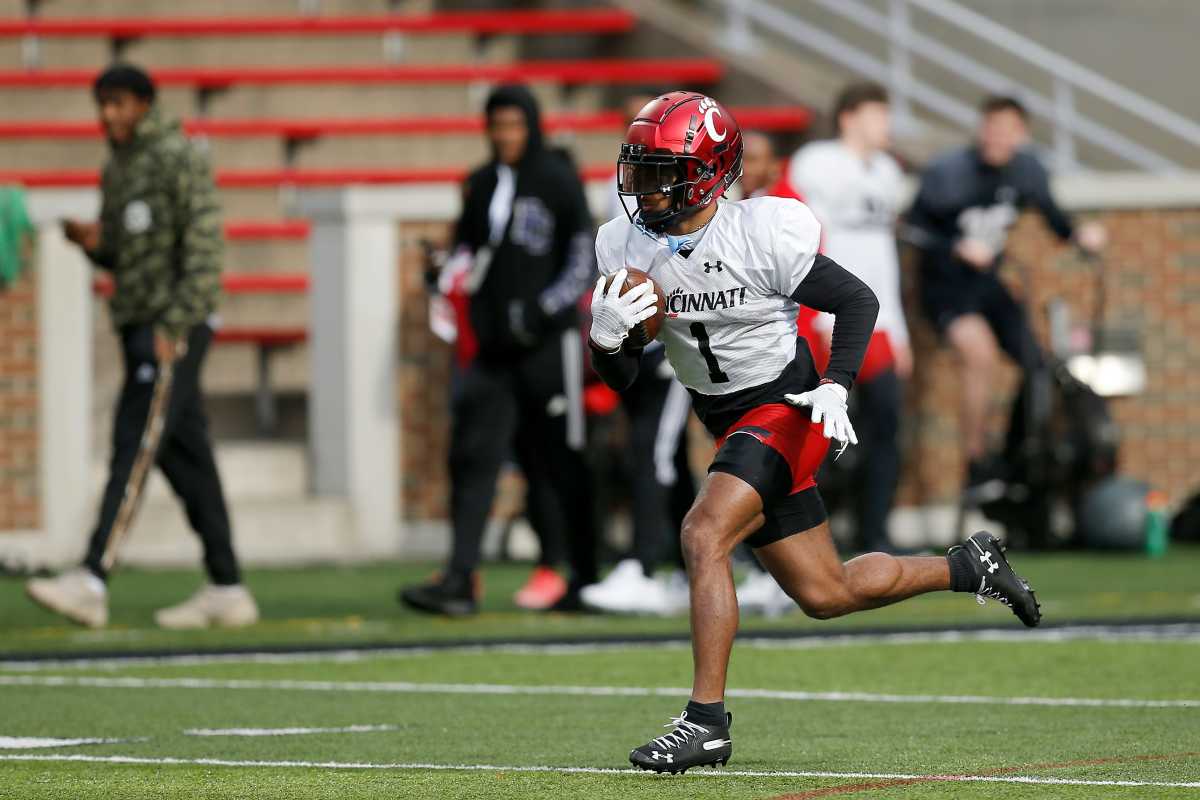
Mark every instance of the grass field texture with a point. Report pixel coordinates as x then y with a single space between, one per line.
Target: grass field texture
1005 715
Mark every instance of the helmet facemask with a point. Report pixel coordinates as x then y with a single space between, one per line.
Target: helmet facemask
640 173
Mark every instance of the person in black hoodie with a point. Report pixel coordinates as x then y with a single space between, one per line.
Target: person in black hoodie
527 236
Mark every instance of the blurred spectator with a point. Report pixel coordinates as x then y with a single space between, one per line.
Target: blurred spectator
160 235
968 200
854 187
762 171
661 483
526 245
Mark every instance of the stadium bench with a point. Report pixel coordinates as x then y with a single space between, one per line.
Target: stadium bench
763 118
694 71
267 339
272 178
482 23
258 230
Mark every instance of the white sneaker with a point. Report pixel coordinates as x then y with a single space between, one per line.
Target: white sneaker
676 593
626 590
760 594
78 595
222 606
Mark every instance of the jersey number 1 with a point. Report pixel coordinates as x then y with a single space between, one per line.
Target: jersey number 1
714 367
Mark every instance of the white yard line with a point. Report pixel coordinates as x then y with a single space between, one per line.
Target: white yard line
1181 632
33 742
406 687
286 731
357 765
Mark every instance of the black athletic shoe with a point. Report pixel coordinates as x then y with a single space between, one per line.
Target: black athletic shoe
689 745
997 580
451 595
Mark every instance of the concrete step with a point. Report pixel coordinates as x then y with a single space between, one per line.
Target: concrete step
216 8
250 471
233 369
283 531
334 152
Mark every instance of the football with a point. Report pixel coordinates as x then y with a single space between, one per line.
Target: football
645 331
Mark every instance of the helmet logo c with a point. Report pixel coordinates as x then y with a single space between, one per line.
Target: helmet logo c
708 107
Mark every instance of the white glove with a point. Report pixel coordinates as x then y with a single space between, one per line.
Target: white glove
613 313
828 403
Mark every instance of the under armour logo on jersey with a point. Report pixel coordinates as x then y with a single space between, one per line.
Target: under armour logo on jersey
986 558
709 267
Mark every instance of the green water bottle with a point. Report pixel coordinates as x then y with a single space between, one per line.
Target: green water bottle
1156 525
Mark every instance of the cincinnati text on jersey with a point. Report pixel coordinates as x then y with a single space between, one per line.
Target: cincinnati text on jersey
679 302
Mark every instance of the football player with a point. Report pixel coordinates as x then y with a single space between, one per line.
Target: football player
734 276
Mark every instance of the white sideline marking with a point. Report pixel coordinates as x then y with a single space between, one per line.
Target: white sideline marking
285 731
32 742
406 687
354 765
1188 633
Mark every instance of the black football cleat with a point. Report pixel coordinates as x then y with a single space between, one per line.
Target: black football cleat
688 745
997 580
450 595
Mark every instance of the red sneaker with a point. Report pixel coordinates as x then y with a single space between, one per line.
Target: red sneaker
544 588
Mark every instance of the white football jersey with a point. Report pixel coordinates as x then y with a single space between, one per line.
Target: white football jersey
731 322
857 201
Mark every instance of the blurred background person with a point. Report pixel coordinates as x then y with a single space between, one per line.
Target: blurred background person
159 235
763 172
526 238
854 186
660 481
968 201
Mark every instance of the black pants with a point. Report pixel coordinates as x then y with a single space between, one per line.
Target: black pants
878 428
661 485
531 406
185 452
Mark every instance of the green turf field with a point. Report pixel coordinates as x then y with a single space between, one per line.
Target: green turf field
1007 715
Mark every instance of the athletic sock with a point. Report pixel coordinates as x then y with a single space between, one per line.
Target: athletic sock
706 713
962 573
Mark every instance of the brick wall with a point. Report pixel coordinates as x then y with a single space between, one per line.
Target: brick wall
1154 286
1153 266
18 406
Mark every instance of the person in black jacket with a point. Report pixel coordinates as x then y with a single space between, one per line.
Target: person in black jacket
528 236
967 202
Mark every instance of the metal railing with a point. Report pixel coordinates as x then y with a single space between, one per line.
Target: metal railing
905 43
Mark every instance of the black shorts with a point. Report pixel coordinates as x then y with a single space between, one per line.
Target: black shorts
777 449
947 294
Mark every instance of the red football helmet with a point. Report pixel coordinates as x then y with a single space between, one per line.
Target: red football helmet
684 145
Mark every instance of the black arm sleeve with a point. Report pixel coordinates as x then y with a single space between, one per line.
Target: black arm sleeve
829 287
618 370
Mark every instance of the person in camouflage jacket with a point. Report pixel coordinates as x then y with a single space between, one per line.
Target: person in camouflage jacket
159 235
160 229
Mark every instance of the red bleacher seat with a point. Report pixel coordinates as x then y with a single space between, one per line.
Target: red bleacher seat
594 71
582 20
234 283
763 118
254 230
261 336
268 178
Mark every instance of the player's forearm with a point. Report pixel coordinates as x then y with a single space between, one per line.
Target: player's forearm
831 288
617 369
